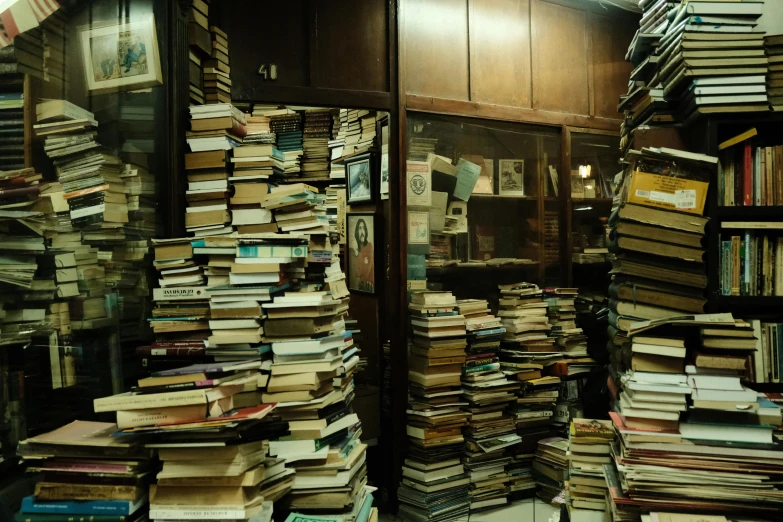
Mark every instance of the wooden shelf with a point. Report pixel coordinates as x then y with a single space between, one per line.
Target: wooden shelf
517 198
747 301
749 213
592 201
439 270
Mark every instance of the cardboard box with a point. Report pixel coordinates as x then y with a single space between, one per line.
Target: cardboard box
666 192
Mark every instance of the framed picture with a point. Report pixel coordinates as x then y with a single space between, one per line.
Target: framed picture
362 250
121 57
511 177
359 179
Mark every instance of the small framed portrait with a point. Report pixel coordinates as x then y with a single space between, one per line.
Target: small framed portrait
121 57
511 177
362 249
359 179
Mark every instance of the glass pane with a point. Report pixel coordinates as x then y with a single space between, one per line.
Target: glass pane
500 228
595 160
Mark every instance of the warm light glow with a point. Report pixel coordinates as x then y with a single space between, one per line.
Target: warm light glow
584 171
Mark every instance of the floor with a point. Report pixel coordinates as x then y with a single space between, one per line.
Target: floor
530 510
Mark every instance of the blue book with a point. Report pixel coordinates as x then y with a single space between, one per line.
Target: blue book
82 507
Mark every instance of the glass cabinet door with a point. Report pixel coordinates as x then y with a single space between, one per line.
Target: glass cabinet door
493 212
595 160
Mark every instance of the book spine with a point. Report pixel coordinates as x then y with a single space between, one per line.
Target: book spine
726 269
747 176
722 171
778 277
758 176
482 368
73 507
745 249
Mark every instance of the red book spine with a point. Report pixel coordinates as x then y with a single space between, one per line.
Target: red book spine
747 175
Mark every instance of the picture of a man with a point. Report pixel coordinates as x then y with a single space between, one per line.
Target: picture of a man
136 53
362 263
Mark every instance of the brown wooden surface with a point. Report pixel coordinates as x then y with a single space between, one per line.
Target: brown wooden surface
610 71
560 81
506 113
351 45
435 34
500 52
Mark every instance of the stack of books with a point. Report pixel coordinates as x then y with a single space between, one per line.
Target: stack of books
491 430
12 119
217 82
419 148
695 58
523 312
217 126
199 48
722 426
317 131
550 469
589 448
86 472
287 126
659 270
773 45
435 485
337 144
561 312
180 318
258 126
207 195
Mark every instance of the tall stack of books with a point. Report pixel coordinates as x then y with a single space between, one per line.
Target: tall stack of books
523 313
199 48
87 473
700 440
217 82
317 130
12 119
589 448
435 485
658 271
491 429
773 45
695 58
550 469
337 144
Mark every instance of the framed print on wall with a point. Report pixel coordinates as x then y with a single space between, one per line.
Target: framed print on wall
360 179
362 249
121 57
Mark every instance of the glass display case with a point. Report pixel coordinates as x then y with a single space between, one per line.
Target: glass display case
90 131
491 208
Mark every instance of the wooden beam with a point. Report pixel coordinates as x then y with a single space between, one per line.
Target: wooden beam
505 113
296 95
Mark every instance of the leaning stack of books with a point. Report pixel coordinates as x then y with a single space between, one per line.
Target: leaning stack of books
87 474
773 45
316 131
491 430
589 449
721 416
659 270
550 469
217 82
287 126
217 126
435 485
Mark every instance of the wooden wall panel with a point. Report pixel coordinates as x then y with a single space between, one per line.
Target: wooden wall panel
609 37
435 34
500 52
560 54
351 45
266 32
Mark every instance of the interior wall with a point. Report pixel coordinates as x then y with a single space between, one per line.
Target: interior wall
550 55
